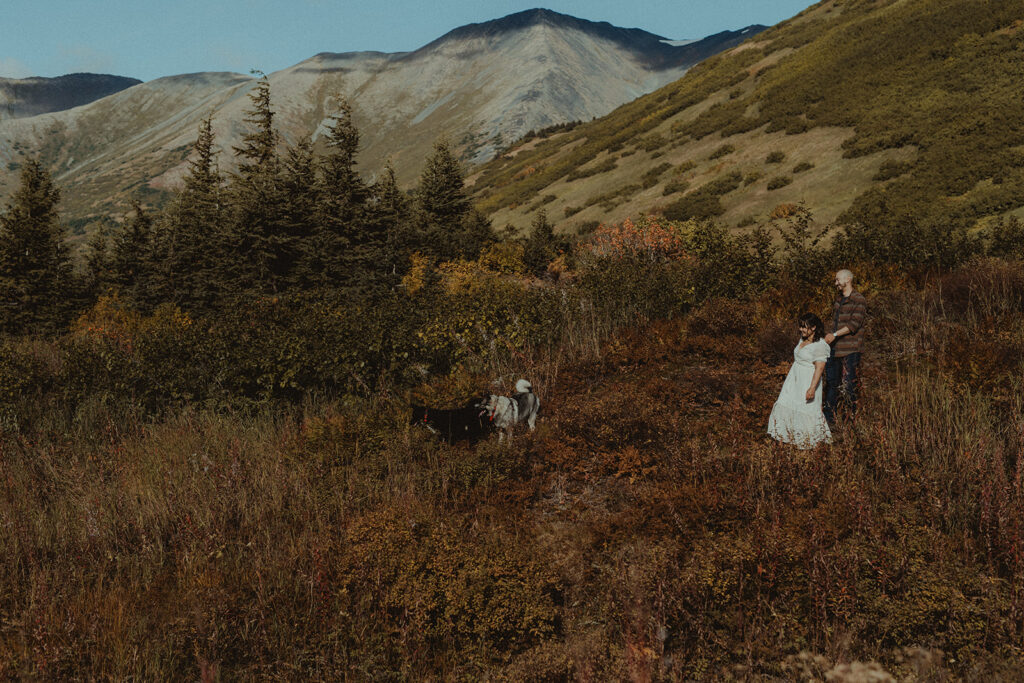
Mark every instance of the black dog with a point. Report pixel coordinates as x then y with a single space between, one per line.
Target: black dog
467 423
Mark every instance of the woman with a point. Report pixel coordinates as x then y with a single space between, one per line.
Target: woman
796 417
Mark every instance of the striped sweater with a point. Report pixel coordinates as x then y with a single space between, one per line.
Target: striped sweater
849 312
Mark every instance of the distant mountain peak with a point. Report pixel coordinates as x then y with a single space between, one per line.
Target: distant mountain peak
540 16
39 95
650 49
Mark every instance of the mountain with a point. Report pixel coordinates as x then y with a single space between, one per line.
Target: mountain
896 114
482 86
31 96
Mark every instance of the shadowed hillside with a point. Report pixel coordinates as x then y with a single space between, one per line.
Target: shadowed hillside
24 97
888 113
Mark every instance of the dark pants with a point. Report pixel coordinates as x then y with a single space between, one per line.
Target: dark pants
840 377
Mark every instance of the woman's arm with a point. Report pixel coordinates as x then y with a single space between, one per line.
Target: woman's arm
819 368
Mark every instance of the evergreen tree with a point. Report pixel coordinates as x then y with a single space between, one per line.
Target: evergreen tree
442 194
97 264
301 197
189 249
449 225
35 270
128 259
347 246
390 216
541 246
258 153
259 243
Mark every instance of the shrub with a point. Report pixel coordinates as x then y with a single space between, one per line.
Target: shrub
653 142
775 157
892 169
610 200
803 166
683 167
722 151
1006 238
651 176
649 239
603 167
675 186
703 203
779 181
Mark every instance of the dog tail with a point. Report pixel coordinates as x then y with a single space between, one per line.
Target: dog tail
523 387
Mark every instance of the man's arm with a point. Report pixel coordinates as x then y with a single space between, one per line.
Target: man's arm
842 331
855 322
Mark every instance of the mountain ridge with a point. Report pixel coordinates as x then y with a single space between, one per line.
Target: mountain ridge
481 92
26 97
894 113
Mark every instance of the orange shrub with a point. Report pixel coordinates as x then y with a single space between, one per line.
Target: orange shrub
649 238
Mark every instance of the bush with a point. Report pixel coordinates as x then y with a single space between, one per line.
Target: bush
683 167
703 203
650 177
675 186
610 200
603 167
803 166
892 169
779 181
653 142
775 158
722 151
1006 238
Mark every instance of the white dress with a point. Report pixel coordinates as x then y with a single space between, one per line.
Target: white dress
794 419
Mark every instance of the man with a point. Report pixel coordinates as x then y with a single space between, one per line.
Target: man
847 341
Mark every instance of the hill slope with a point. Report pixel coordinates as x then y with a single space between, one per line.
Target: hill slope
482 85
31 96
886 112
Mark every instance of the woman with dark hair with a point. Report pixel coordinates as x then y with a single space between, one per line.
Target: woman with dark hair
796 417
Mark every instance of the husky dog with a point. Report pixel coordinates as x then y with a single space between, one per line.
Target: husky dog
529 404
465 423
503 413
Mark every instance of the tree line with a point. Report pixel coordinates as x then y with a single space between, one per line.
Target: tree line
291 217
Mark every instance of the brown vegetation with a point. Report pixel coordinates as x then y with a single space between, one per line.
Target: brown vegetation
648 530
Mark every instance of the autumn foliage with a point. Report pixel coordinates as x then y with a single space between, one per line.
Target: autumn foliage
241 496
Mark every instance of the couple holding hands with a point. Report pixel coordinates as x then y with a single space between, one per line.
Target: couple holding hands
806 409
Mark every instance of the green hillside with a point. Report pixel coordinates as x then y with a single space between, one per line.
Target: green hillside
887 112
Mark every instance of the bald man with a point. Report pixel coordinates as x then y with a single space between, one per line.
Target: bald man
847 341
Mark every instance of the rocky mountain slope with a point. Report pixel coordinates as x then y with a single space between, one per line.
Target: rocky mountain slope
482 86
897 114
24 97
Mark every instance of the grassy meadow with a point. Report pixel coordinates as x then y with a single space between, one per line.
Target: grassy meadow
164 519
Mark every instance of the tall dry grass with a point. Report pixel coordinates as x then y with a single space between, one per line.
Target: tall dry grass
647 531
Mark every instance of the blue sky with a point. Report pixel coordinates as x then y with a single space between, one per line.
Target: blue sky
147 40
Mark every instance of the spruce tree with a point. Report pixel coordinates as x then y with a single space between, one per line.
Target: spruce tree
35 270
541 245
299 214
259 242
189 245
347 247
97 264
129 274
258 152
451 227
442 194
389 213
